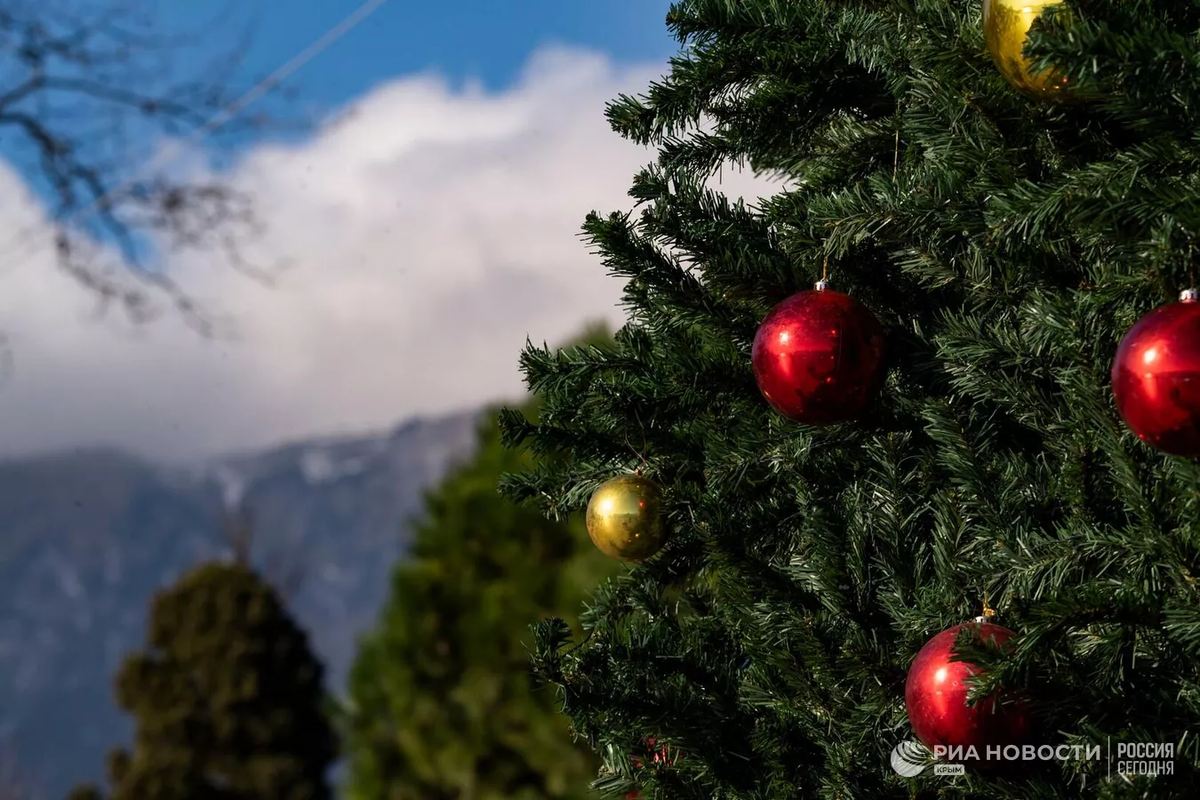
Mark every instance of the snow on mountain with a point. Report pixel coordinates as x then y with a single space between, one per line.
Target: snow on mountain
320 466
232 484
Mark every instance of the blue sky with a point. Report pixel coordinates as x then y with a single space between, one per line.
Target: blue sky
483 41
488 40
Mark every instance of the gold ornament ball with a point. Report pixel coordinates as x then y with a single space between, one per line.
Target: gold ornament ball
624 518
1006 25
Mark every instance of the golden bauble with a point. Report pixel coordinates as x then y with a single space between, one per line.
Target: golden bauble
624 518
1006 25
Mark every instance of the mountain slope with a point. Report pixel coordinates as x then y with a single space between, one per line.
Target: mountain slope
87 537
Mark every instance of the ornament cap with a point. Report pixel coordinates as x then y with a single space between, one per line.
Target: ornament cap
987 613
1188 296
821 285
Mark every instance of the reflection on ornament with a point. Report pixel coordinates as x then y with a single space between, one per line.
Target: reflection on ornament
1156 377
1006 25
624 518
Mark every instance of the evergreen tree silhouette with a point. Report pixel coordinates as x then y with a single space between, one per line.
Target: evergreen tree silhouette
227 697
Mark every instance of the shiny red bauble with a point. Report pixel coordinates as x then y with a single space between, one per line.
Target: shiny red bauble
1156 377
818 357
936 697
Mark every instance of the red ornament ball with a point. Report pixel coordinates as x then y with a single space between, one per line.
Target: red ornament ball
1156 377
936 697
818 357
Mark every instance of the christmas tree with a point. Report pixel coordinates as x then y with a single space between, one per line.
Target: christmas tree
227 699
441 702
945 431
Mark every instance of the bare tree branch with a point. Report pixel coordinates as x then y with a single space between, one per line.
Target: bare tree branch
86 89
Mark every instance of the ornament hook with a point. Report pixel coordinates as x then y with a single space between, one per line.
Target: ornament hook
988 612
823 284
1191 269
896 157
641 468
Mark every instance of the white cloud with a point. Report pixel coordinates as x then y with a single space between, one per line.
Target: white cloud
427 234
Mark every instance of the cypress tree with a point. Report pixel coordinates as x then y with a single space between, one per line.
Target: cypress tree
227 698
442 704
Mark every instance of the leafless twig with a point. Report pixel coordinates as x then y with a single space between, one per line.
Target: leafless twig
86 86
